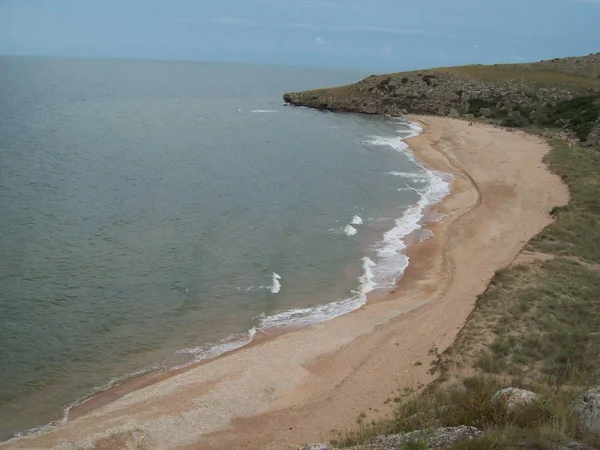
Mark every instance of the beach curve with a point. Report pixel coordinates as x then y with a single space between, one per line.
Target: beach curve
300 386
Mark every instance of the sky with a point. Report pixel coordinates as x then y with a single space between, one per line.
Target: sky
377 35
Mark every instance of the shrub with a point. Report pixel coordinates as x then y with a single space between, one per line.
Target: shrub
514 119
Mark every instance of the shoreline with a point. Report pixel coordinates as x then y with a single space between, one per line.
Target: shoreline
318 378
131 382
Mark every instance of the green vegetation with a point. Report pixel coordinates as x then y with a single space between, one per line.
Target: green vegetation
470 401
576 232
536 327
537 74
580 113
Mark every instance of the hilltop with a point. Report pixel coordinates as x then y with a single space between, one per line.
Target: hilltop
562 92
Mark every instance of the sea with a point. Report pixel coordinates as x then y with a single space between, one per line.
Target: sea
155 214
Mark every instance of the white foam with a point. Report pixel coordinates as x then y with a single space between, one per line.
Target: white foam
395 142
412 176
209 351
276 286
263 111
356 220
301 317
350 230
391 259
416 129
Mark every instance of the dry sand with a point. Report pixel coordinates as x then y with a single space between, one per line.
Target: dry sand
299 386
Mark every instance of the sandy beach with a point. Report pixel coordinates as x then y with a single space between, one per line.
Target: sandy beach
300 386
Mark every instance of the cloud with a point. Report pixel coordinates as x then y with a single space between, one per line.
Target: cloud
229 21
377 29
184 20
298 25
320 42
319 3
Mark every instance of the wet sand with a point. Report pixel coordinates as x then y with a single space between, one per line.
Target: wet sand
300 386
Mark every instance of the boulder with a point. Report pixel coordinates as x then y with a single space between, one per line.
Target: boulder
486 112
587 408
515 398
320 446
593 139
436 438
453 113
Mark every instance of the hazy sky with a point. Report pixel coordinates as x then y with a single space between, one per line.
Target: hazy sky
374 35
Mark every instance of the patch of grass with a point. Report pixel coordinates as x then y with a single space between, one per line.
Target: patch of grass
537 74
553 317
470 402
576 231
415 445
580 113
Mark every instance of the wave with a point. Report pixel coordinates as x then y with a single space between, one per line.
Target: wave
356 220
209 351
392 260
301 317
349 230
276 286
263 111
412 176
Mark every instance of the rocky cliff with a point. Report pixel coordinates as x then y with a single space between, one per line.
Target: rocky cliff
561 92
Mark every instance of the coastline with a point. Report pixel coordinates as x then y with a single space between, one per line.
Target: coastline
299 386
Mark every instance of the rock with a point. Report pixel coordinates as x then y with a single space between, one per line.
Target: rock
593 139
587 408
453 113
576 446
437 438
469 116
321 446
515 398
486 112
514 119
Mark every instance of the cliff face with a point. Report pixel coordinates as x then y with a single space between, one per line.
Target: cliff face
516 93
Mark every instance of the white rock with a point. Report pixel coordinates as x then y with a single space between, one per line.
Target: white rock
587 408
515 398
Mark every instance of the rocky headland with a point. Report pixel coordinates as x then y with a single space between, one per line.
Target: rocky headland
562 93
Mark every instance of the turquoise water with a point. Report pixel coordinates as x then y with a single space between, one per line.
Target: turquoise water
154 212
